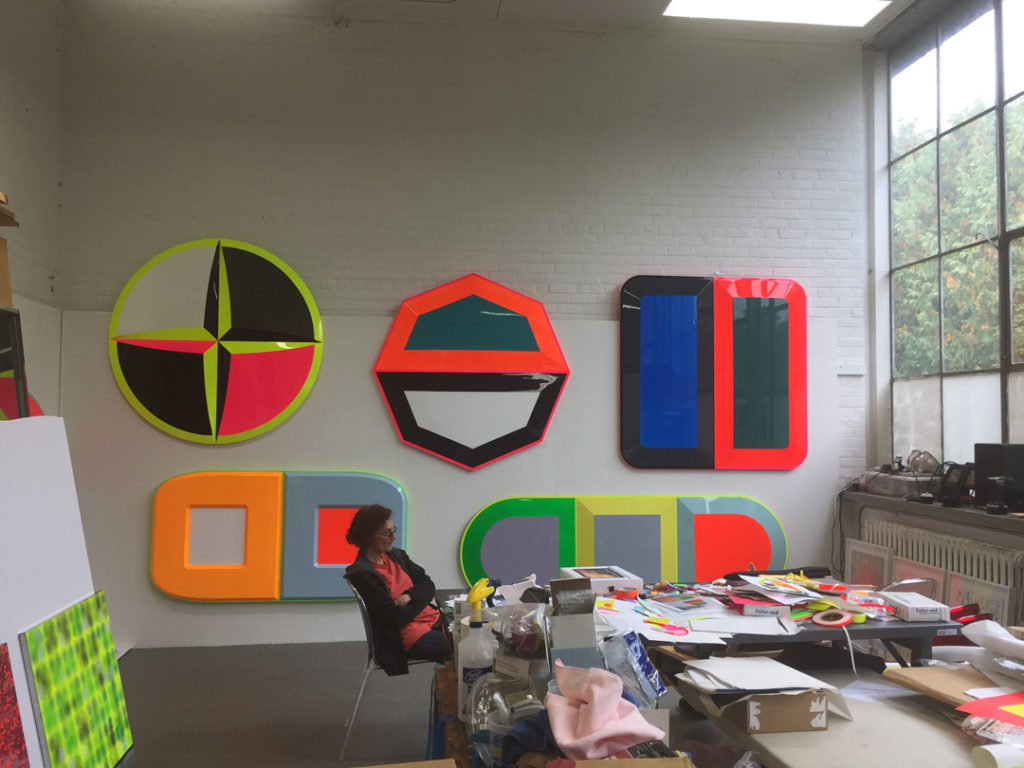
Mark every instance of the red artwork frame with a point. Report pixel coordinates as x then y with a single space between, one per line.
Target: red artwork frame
727 455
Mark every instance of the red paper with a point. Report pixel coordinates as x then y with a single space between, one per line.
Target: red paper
1008 708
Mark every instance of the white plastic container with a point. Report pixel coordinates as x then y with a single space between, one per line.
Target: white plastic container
476 657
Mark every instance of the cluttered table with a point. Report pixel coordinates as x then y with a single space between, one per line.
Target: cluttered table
841 714
769 609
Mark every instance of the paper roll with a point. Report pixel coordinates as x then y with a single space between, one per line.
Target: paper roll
991 635
998 756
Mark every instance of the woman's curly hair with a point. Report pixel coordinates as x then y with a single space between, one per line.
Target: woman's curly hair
365 523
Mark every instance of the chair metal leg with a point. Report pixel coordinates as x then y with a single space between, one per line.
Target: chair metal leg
355 710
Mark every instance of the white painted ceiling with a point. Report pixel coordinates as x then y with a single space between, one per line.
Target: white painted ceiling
576 15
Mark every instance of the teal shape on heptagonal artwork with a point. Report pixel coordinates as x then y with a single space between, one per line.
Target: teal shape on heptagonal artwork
473 323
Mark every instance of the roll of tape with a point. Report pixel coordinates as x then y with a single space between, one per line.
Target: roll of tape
834 618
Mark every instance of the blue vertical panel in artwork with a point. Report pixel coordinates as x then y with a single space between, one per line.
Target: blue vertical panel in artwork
666 367
668 371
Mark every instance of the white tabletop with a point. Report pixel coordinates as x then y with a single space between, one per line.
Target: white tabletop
909 732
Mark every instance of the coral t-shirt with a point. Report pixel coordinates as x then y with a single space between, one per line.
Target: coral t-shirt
398 581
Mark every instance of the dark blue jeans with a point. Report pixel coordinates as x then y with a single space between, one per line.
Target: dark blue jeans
433 646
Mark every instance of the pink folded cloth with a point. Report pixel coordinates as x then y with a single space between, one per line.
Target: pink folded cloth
591 720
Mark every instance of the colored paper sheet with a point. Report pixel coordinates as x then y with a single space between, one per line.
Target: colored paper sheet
1007 709
13 753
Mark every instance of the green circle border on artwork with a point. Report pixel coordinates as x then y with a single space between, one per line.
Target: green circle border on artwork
163 426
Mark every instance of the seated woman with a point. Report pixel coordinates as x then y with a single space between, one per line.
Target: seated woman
397 593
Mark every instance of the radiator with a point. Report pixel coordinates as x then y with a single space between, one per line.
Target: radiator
956 554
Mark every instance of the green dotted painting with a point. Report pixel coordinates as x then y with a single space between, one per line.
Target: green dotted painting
78 697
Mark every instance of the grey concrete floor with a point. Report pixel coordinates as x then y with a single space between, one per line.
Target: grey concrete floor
285 706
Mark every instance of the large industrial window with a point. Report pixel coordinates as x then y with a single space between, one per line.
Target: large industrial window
956 128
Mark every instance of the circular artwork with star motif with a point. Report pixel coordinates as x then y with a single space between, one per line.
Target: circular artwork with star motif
215 341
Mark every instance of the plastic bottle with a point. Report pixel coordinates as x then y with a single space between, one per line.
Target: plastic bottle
477 649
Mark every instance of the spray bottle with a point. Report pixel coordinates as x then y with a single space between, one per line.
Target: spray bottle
477 649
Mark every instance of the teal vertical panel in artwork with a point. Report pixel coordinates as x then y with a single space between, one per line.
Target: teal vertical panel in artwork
760 372
473 323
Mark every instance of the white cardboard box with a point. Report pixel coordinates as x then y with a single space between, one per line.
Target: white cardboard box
910 606
604 576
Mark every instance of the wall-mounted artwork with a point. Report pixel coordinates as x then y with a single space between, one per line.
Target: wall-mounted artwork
713 372
13 752
76 687
471 371
867 564
990 597
215 341
15 401
933 582
659 538
262 536
9 402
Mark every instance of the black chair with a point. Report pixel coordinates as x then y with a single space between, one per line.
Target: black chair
371 665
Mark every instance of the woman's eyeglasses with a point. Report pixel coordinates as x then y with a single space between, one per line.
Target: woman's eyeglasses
388 533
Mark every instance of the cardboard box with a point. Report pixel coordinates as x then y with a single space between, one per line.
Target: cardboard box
604 576
759 695
519 669
573 636
779 712
910 606
751 609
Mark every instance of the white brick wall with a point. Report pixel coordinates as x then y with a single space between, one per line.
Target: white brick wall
381 159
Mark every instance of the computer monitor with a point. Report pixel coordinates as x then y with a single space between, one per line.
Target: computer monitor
999 460
13 390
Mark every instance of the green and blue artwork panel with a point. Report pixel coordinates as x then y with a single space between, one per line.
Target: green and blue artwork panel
76 687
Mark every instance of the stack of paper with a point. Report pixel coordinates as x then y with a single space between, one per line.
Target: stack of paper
756 674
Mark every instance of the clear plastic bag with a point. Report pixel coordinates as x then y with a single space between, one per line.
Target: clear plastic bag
625 656
521 630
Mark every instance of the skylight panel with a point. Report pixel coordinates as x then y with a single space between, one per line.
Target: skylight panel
832 13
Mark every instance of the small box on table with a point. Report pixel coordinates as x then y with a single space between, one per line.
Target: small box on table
910 606
604 577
